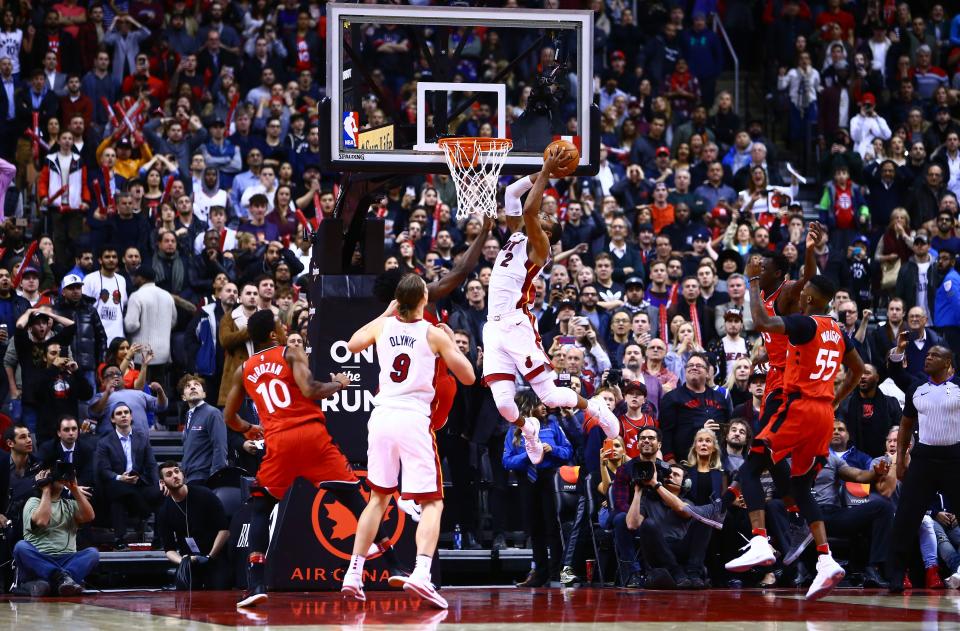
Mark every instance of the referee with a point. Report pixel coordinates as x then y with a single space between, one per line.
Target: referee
933 408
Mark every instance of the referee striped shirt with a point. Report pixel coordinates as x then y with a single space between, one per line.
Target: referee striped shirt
936 407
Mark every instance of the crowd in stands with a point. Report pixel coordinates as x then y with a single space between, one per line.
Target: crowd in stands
160 173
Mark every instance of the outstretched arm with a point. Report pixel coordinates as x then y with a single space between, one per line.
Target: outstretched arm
367 334
443 287
539 242
792 291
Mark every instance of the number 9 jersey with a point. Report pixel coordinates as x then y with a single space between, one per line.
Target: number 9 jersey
408 366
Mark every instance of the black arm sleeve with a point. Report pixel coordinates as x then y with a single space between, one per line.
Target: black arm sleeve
800 329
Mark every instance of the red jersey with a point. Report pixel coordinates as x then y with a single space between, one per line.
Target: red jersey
817 347
268 380
775 343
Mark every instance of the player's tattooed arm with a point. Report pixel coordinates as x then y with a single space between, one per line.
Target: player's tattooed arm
762 321
443 287
310 387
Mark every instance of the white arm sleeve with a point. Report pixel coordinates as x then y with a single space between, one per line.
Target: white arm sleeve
511 199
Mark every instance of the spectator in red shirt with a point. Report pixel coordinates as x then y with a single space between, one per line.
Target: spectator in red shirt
835 15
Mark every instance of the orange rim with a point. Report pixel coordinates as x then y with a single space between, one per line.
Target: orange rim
468 148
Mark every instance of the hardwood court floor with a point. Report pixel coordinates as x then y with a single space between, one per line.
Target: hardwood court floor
480 608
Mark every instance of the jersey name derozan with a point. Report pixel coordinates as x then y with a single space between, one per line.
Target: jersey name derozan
511 283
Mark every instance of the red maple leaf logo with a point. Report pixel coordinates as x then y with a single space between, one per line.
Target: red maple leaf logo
344 521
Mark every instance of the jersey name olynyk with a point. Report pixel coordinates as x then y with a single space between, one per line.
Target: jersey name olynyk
402 340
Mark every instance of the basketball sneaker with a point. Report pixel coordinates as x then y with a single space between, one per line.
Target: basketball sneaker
531 441
829 574
253 596
425 590
353 586
410 507
800 538
609 423
953 581
757 552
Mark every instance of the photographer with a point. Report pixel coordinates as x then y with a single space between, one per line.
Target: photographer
62 387
867 126
671 531
199 542
47 559
623 498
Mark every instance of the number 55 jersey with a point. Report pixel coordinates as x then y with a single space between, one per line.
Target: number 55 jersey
802 426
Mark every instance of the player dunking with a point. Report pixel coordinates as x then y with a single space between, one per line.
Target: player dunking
400 429
511 342
802 426
279 382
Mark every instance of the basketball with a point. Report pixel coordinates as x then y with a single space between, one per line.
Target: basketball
568 160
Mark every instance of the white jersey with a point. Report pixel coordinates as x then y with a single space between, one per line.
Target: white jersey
408 366
511 282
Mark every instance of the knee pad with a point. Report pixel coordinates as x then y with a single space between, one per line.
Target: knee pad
503 395
552 395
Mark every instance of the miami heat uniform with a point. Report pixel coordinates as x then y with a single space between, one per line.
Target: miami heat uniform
776 345
803 425
294 428
445 387
511 342
400 434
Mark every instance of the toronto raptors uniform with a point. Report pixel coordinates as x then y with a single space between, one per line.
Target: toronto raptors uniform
803 425
511 342
294 428
400 427
776 345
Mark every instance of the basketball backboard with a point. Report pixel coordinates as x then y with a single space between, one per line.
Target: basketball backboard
400 77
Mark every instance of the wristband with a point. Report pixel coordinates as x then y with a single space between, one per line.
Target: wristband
658 485
753 278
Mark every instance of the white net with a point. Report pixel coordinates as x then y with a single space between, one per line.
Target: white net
475 165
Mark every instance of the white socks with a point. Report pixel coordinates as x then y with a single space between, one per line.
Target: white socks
356 564
421 570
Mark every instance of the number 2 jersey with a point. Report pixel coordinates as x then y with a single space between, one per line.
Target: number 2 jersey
511 283
408 366
269 382
816 349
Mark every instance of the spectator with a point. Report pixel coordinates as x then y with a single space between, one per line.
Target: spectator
90 343
946 313
691 407
127 473
802 85
913 344
48 557
75 447
869 414
115 393
867 126
109 293
204 433
151 316
18 468
200 542
635 417
34 331
853 520
919 277
537 482
61 388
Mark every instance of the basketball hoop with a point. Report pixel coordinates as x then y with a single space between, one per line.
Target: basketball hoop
475 165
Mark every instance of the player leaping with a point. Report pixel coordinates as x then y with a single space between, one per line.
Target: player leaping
802 427
511 342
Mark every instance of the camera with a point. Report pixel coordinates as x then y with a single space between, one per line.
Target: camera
60 471
614 377
641 471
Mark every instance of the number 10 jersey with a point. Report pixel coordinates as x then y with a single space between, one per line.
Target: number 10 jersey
269 382
408 366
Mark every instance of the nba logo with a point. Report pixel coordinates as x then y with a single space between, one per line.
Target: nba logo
351 124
